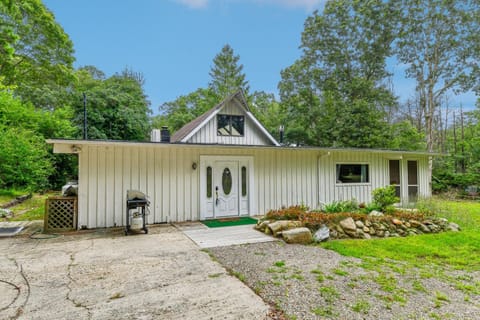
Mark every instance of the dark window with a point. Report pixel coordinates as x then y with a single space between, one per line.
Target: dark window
229 125
412 172
412 181
394 166
352 173
209 182
227 181
244 181
394 171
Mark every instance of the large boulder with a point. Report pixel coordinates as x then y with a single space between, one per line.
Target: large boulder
359 224
261 225
397 222
453 227
281 225
297 235
322 234
348 224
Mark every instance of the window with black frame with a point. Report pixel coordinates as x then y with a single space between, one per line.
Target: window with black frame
352 173
230 125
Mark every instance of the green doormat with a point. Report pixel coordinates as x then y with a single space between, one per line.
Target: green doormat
228 222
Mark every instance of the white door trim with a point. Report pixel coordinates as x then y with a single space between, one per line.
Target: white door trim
205 161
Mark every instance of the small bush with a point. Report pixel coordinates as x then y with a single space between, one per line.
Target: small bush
384 197
373 206
342 206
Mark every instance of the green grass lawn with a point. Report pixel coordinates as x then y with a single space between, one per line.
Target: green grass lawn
10 194
30 209
458 250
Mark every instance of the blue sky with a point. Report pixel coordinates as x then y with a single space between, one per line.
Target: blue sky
173 42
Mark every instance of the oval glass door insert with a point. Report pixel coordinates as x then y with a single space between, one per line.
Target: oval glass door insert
227 181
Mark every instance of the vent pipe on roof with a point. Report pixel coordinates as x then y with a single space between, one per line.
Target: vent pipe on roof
281 131
85 136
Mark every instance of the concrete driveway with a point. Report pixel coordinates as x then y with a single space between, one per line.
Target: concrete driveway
105 275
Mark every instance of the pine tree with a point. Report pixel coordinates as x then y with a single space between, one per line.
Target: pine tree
226 73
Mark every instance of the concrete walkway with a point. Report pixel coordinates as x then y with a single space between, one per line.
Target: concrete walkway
206 237
103 274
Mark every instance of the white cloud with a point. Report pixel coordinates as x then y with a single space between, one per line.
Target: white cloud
194 4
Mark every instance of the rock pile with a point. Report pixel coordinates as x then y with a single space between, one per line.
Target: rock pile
384 228
372 226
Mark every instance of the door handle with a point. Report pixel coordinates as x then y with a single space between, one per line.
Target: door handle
216 196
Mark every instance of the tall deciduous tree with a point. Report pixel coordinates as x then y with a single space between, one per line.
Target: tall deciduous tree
117 107
336 92
36 54
439 42
268 111
227 74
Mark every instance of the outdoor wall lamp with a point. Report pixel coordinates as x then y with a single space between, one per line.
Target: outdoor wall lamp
194 166
76 149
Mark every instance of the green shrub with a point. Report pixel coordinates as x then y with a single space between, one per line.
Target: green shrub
342 206
24 159
384 198
373 206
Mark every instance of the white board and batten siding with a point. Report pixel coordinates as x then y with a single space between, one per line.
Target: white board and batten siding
378 164
252 133
281 178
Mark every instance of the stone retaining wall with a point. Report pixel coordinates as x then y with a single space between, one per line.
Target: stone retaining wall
380 227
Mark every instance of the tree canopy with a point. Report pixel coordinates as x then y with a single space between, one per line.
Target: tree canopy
336 94
36 54
117 107
439 42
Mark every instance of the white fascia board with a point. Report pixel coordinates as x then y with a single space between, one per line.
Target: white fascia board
201 125
262 128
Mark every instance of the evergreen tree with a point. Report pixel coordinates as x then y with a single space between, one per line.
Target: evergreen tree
226 79
226 73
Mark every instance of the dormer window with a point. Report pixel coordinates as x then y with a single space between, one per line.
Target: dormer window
230 125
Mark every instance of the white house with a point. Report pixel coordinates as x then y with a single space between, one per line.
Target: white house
226 164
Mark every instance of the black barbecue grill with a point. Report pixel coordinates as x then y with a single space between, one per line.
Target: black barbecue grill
135 200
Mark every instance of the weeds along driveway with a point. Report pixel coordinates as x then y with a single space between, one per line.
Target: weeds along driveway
309 282
162 275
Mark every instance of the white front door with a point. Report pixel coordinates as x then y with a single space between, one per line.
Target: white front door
225 188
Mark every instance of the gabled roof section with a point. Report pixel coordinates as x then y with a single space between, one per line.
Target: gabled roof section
191 128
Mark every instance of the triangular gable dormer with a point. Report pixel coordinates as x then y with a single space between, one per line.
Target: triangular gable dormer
229 122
